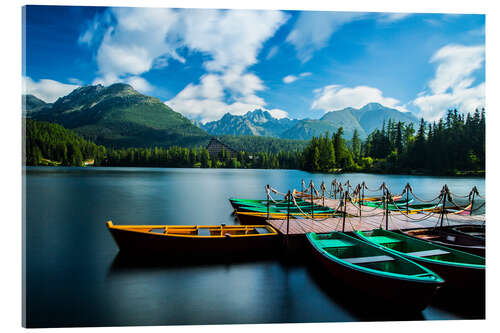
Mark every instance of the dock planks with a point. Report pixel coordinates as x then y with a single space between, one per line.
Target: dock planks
396 221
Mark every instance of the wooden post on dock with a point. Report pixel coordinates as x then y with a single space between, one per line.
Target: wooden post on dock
474 190
386 197
334 188
363 185
445 190
344 212
288 214
267 191
312 198
407 188
323 192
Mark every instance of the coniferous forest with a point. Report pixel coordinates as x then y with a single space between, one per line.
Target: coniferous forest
453 145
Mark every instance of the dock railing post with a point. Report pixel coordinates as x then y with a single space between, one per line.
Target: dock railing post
344 212
407 187
445 190
323 192
267 191
386 191
334 188
474 190
363 185
288 214
312 199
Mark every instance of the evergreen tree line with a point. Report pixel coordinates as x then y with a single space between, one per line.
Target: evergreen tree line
199 157
454 143
328 154
52 144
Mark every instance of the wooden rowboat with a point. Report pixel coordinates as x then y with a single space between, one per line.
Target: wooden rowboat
374 270
478 231
446 236
460 270
195 241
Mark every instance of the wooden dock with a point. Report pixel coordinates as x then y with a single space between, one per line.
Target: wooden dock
396 221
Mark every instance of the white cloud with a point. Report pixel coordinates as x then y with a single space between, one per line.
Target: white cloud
47 90
336 97
272 52
392 17
278 113
206 101
456 63
313 30
139 84
231 37
146 38
75 81
290 78
452 85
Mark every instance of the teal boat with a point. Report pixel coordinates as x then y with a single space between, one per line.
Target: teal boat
460 270
293 209
375 271
235 202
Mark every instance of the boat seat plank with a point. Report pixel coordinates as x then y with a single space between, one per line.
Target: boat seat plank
383 239
365 260
158 230
327 243
428 253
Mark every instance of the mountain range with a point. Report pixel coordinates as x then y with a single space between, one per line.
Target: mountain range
261 123
119 116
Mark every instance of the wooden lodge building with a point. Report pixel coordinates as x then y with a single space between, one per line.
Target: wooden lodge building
215 148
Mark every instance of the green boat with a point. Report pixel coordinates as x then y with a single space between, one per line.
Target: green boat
263 209
460 270
375 271
252 202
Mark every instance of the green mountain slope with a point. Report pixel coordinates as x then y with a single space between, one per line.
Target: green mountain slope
119 116
306 129
372 116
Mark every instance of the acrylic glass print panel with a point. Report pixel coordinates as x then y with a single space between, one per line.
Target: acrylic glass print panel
199 166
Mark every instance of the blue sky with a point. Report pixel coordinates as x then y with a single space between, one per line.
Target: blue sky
299 64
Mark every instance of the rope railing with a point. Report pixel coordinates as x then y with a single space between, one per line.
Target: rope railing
348 194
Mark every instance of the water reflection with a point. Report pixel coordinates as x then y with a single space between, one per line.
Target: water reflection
75 277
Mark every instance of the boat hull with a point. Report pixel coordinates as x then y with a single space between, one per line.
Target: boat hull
457 276
396 292
131 242
447 237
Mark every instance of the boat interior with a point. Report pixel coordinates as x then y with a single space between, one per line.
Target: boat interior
208 231
421 248
367 256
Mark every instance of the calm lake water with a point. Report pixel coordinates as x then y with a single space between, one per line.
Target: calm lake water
75 276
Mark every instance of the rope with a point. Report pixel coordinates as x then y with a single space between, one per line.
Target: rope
420 199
